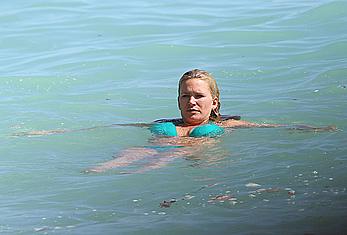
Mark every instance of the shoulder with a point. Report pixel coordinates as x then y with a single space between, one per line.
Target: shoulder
230 117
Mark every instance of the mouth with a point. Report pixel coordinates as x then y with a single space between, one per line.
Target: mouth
193 110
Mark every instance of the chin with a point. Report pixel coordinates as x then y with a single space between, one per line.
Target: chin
193 118
193 121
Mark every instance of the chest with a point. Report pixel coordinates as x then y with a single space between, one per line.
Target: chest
183 130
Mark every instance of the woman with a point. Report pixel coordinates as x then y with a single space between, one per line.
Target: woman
199 104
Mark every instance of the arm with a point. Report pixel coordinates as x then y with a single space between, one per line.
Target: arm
41 132
61 131
244 124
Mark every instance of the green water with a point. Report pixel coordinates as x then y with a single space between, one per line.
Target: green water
80 64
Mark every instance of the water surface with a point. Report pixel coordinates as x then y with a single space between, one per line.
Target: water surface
83 63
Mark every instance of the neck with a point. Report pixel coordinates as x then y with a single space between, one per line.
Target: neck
187 124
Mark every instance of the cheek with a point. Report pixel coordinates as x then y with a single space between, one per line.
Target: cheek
208 103
181 102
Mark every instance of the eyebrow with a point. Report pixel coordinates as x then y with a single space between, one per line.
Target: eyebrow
194 93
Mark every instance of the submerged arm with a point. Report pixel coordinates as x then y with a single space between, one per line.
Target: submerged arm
60 131
246 124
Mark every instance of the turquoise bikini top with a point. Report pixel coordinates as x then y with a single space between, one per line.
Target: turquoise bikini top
169 129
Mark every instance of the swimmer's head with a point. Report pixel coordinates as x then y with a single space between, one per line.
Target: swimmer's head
213 88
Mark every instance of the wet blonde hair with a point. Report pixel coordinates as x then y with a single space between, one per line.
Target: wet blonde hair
205 76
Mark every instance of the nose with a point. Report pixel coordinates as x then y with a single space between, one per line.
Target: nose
192 100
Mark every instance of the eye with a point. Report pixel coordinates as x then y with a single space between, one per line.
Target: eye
199 96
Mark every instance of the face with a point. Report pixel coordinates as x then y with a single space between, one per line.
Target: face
196 102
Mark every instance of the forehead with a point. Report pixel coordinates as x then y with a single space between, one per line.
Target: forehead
196 85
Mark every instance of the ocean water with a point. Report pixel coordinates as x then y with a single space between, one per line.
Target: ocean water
77 64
